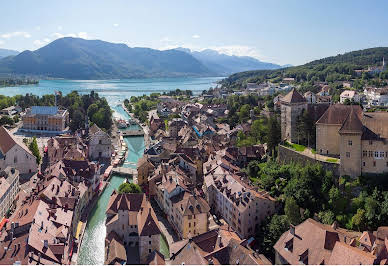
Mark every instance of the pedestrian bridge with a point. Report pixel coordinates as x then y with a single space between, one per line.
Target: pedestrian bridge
125 171
130 133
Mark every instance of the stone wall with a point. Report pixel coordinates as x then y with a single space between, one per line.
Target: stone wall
287 155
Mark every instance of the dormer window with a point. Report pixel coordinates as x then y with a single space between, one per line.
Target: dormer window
304 257
289 245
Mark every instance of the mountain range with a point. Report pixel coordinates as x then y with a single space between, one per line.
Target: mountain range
228 64
6 52
76 58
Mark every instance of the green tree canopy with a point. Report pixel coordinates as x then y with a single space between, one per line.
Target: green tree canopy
129 188
33 146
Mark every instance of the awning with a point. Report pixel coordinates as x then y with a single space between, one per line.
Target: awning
2 223
108 171
79 227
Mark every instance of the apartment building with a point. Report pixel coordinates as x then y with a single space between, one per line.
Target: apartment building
187 212
242 207
9 187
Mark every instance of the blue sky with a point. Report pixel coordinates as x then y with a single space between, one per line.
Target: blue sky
284 32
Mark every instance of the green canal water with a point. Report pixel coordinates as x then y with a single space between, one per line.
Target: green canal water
92 249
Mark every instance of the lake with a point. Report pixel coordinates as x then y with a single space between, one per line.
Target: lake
116 90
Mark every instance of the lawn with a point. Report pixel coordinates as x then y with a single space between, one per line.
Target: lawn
295 147
164 249
332 160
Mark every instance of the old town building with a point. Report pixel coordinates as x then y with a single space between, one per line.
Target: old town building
131 222
100 144
9 187
16 154
47 119
313 243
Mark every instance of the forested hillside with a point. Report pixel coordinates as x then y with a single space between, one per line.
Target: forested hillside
331 69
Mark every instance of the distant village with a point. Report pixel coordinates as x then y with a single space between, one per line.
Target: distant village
196 190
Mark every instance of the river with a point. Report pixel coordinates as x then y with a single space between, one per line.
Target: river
115 91
92 248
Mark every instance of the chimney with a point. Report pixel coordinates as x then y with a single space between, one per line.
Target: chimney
334 225
292 229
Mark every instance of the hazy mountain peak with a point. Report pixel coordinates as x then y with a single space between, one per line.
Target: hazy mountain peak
7 52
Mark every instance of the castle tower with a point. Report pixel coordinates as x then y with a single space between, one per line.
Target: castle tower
350 144
292 105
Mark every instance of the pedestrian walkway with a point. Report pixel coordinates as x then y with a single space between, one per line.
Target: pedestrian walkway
164 224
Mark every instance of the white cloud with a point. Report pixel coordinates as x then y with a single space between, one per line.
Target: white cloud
16 34
196 36
38 43
58 35
115 25
41 42
37 28
238 50
165 39
59 28
1 42
83 35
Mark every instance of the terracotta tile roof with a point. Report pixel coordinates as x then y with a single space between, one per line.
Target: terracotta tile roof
293 97
116 250
94 129
155 258
376 122
352 123
367 239
7 141
188 204
189 255
236 254
148 223
18 252
215 239
312 241
130 202
344 254
336 114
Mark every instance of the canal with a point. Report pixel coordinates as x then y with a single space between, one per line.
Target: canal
92 249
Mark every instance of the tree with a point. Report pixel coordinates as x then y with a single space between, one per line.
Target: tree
272 230
77 120
326 217
129 188
35 150
92 109
243 114
274 133
292 210
359 219
6 120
